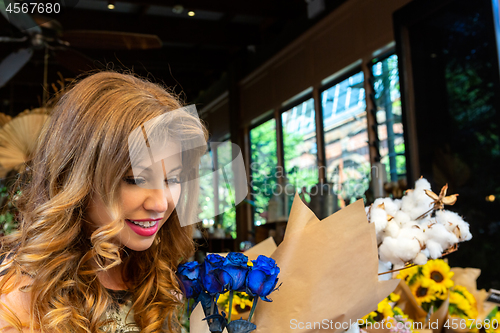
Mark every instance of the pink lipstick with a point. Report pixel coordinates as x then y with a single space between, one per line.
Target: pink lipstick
146 228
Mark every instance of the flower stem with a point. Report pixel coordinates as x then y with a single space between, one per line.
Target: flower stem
187 308
230 306
256 298
213 306
424 214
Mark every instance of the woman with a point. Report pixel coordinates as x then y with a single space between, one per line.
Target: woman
98 236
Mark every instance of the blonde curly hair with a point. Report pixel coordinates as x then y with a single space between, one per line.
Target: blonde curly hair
83 150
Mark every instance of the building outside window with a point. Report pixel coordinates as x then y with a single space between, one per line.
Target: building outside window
263 168
299 143
224 197
346 138
389 117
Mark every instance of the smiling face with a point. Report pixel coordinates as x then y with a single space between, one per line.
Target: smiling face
147 200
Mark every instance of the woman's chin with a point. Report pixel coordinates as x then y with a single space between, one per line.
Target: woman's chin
138 246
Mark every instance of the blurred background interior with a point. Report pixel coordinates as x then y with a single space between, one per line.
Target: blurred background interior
337 99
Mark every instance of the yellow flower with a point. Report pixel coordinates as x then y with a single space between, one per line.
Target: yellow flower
393 297
369 318
223 298
423 290
439 272
460 301
385 309
407 273
462 290
494 324
398 312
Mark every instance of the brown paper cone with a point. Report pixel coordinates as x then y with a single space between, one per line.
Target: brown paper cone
329 270
265 248
196 322
438 318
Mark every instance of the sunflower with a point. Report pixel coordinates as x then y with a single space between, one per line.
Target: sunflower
393 297
423 290
462 290
459 304
439 272
471 312
406 274
385 309
494 323
369 318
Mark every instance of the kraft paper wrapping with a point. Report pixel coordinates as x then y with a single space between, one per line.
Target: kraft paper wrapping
409 305
329 271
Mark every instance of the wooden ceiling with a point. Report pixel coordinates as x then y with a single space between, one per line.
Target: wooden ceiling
196 51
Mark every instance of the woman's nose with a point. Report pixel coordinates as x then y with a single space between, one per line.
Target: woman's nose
157 200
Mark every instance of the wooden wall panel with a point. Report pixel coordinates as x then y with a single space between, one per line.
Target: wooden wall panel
354 31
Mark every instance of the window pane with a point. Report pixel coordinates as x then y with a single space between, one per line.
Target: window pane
226 206
299 138
346 138
389 119
207 187
263 167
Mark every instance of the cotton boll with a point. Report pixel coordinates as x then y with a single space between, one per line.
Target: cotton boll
449 219
392 229
388 251
438 233
434 249
398 250
416 202
420 259
407 203
401 218
421 205
454 223
413 231
465 234
422 184
379 217
389 206
426 252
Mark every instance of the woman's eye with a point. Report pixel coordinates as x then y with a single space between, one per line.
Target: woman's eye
134 180
173 180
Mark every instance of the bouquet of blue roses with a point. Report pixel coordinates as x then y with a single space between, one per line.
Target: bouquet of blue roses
203 283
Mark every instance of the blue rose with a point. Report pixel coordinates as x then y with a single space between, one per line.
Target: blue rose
262 277
188 274
209 274
233 273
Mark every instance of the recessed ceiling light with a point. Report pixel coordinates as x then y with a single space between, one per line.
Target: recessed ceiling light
191 13
111 6
178 9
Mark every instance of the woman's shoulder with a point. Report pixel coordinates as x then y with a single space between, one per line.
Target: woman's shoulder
15 301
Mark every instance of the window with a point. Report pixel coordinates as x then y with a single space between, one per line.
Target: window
346 138
225 198
389 118
299 144
207 186
263 167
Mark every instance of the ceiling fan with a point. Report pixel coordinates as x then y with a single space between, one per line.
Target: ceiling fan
43 32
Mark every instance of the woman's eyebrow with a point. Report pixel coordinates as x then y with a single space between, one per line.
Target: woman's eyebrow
179 167
143 168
